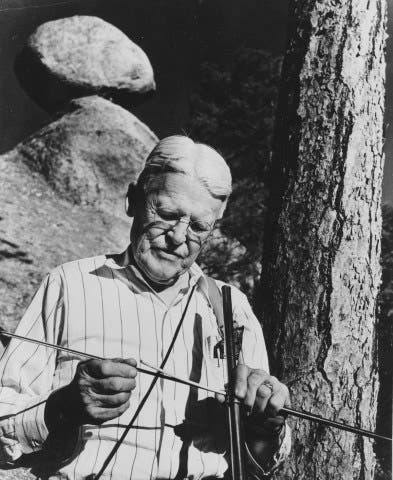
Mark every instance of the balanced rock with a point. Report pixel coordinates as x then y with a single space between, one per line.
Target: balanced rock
88 53
90 153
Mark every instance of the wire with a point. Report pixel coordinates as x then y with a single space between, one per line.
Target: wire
146 396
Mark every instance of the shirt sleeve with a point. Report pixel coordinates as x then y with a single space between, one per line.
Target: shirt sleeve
26 373
254 354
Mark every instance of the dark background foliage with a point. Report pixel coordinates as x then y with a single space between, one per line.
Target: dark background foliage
233 109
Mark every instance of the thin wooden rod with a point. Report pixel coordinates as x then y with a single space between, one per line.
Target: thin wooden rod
166 375
330 423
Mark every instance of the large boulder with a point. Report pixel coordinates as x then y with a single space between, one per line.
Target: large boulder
90 153
88 52
82 55
62 195
39 230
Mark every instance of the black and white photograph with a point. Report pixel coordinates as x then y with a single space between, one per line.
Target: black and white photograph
196 239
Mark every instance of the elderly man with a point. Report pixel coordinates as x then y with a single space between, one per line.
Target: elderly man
150 303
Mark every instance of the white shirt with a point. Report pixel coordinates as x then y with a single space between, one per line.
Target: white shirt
104 307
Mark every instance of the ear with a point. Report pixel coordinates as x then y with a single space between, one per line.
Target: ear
131 199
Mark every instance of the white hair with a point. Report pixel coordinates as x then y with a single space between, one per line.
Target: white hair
180 154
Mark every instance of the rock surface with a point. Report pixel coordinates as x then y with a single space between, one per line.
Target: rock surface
39 230
62 195
62 198
87 52
90 153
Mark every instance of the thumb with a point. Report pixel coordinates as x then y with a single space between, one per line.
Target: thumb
220 397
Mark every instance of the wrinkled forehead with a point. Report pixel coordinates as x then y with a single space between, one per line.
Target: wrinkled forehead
183 193
165 182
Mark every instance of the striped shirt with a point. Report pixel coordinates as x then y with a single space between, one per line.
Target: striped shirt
102 306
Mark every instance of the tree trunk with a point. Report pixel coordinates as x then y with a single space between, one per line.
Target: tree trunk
321 269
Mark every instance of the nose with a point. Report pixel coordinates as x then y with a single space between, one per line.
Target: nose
178 233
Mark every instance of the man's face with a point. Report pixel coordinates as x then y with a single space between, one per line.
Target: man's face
165 253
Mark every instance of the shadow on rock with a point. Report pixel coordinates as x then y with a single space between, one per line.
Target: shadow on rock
48 92
53 94
11 250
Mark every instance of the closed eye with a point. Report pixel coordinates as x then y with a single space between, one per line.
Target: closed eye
200 227
167 215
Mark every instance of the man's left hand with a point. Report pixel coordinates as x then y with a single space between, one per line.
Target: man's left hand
263 396
260 392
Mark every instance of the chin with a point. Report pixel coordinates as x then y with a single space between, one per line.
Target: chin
161 279
160 272
165 275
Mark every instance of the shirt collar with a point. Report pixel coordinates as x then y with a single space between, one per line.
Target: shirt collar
119 261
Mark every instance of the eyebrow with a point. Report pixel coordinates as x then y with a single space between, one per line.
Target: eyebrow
160 203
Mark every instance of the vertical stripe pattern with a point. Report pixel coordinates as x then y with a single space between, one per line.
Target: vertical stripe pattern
105 308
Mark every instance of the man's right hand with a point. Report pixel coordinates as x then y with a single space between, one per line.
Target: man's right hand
100 391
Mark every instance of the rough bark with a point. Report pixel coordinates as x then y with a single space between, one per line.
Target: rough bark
321 271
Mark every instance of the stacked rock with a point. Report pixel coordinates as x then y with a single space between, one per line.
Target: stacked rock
64 186
88 53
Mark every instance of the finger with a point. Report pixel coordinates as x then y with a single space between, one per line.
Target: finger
113 385
264 393
130 361
123 367
220 397
288 399
99 415
110 401
254 381
110 368
277 400
240 376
